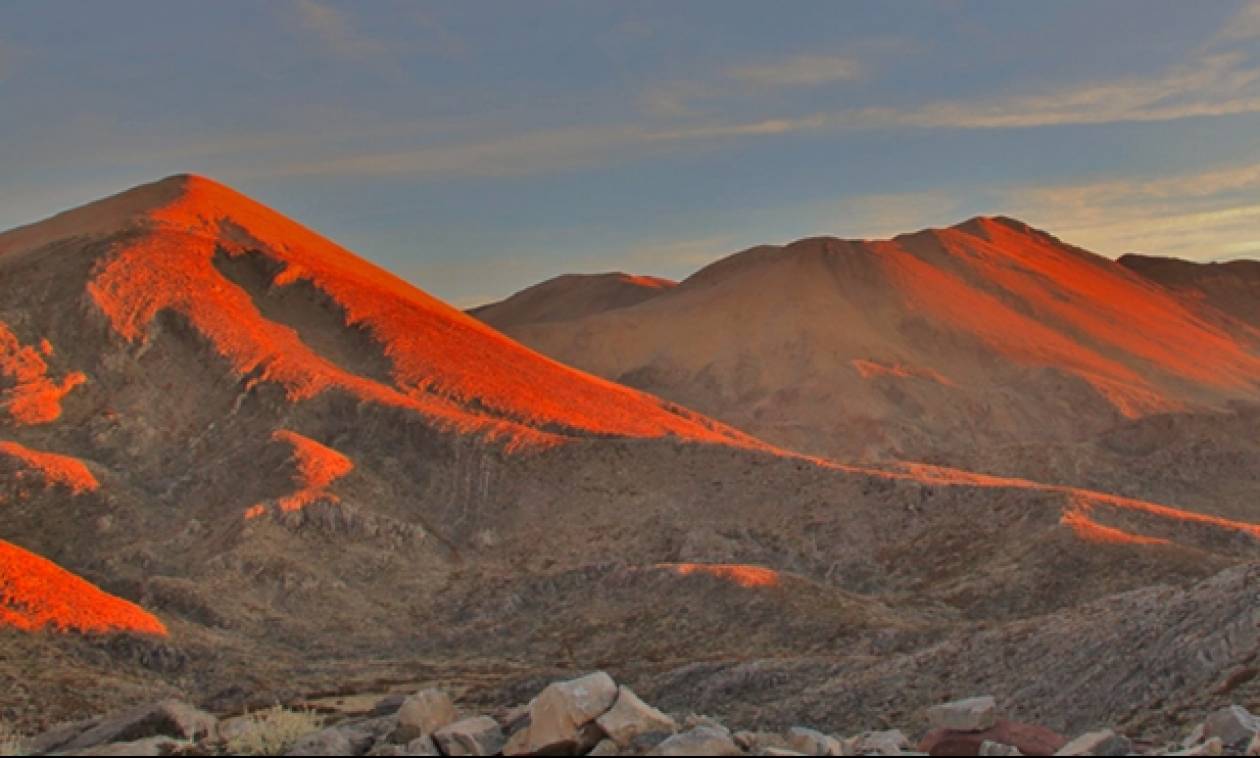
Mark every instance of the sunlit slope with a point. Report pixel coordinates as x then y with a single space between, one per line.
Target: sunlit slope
982 334
175 242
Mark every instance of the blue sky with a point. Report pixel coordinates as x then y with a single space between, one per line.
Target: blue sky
478 147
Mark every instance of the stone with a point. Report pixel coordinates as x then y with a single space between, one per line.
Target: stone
974 714
388 705
1104 742
168 718
702 740
1253 749
145 747
606 747
422 746
781 751
989 747
645 743
518 743
694 720
329 741
479 735
564 712
423 713
812 742
1213 746
629 717
886 742
1234 725
1029 739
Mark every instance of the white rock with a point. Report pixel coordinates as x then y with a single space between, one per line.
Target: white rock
630 716
974 714
561 714
989 747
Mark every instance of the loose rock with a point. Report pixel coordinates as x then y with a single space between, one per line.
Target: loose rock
1234 725
630 716
423 713
974 714
702 740
1105 742
330 741
480 735
563 715
812 742
168 718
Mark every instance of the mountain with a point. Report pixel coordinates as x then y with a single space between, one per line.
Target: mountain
283 471
572 296
1232 287
980 345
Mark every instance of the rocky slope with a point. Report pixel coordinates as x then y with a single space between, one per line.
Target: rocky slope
314 476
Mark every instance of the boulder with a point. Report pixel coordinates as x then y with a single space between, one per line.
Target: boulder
886 742
388 705
1104 742
479 735
329 741
997 748
1234 725
562 718
1213 746
422 746
1029 739
423 714
169 718
974 714
812 742
702 740
629 717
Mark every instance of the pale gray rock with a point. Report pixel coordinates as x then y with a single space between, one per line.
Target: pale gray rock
812 742
329 741
702 740
563 715
479 735
974 714
1235 726
1104 742
423 713
989 747
630 716
605 747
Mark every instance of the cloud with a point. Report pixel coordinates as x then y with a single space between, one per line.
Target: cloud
802 71
1245 25
336 31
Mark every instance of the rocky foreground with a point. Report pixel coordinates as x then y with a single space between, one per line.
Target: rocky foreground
590 715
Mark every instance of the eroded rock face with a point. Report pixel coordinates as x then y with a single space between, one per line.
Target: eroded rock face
630 716
562 718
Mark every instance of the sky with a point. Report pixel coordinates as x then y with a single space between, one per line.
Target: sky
475 148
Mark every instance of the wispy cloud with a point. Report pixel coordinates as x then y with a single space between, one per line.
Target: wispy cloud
332 28
1245 25
801 71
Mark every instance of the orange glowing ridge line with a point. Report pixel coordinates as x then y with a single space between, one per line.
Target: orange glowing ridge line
54 468
443 359
1092 531
318 466
34 398
36 594
745 575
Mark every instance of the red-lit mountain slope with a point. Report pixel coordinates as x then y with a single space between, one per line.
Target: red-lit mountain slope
934 345
1232 287
312 472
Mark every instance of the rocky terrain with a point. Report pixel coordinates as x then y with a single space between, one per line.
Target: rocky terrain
588 715
240 466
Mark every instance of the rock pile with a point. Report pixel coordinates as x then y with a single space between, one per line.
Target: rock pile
592 715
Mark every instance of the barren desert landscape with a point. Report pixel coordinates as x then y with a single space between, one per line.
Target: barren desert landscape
966 487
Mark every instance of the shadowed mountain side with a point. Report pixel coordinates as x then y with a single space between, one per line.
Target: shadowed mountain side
571 296
1232 287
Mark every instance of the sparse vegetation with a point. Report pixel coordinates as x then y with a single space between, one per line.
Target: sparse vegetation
11 743
273 731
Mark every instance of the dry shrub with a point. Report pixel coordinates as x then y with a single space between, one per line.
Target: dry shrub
11 743
273 731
